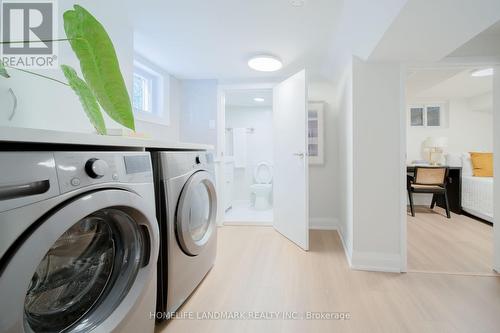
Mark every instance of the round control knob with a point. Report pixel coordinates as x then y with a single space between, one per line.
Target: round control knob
96 168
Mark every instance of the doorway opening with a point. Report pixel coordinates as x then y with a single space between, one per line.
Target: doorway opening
277 179
248 162
449 128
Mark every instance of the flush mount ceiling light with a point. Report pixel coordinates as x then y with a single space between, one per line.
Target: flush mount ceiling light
482 72
297 3
265 63
259 99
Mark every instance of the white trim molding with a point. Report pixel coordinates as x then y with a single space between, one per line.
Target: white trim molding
377 262
323 223
344 246
248 223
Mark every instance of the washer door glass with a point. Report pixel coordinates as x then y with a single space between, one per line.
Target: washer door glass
97 258
196 213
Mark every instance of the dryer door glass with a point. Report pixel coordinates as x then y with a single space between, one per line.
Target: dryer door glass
196 213
199 217
96 259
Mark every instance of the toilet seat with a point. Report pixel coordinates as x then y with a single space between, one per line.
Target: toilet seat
263 173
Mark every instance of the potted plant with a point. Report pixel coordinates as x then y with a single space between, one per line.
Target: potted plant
102 85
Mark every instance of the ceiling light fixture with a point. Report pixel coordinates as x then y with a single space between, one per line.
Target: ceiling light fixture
259 99
297 3
482 72
265 63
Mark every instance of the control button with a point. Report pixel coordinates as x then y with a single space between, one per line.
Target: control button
96 168
75 181
198 160
115 176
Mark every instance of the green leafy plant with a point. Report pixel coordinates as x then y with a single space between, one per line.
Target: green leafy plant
102 84
89 102
3 71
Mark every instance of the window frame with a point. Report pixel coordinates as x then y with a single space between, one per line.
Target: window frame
149 82
157 99
425 108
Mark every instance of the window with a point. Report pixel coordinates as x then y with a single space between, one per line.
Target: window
433 116
417 116
149 100
425 116
143 98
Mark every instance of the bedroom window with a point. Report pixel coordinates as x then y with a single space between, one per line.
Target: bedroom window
433 115
417 116
148 93
425 116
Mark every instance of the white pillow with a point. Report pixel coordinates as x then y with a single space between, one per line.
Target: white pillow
466 165
454 159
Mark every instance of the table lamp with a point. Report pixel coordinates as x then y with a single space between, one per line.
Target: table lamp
436 146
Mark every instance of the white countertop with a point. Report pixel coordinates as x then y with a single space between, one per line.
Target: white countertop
30 135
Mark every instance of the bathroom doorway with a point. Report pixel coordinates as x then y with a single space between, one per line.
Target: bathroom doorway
248 159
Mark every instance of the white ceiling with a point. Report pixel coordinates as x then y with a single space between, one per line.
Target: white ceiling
428 31
245 98
483 47
200 39
446 83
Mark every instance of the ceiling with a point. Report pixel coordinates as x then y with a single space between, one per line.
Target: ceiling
484 47
447 83
428 31
245 98
194 39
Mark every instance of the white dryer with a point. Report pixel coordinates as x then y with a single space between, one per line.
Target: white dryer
186 213
78 242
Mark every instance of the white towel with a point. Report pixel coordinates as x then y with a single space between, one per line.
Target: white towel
240 147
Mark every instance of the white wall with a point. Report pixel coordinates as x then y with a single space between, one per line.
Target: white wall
171 102
198 115
378 173
345 158
49 105
324 182
466 130
259 144
496 154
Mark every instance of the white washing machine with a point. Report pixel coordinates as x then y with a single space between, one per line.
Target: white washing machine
186 212
78 242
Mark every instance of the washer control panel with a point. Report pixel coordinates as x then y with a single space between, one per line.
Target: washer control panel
96 168
80 169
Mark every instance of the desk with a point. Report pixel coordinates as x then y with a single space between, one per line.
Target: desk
454 188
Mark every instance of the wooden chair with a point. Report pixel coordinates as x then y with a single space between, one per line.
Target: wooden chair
429 180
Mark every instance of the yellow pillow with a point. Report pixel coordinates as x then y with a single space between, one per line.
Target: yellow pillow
482 164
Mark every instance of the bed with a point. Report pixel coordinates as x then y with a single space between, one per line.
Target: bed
477 196
477 192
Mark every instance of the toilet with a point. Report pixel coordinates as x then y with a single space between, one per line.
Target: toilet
263 176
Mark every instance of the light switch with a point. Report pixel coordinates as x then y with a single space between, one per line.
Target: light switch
211 124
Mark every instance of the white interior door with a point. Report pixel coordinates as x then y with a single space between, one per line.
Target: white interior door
290 174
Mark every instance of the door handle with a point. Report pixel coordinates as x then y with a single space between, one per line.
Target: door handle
8 192
301 155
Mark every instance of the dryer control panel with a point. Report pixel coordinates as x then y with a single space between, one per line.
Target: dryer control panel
176 164
80 169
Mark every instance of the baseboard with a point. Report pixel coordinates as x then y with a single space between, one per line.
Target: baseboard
378 262
249 223
323 223
344 246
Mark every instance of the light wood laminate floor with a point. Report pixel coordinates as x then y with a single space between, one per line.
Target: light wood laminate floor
457 245
257 269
